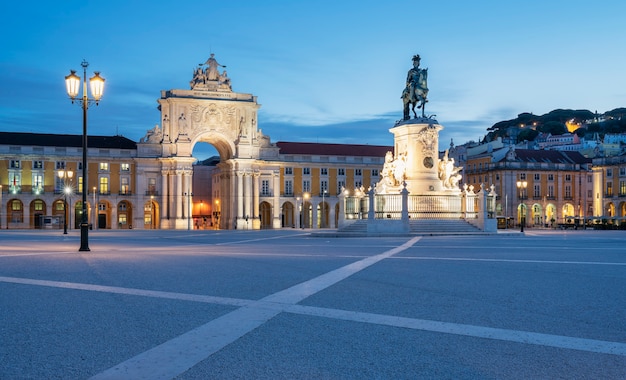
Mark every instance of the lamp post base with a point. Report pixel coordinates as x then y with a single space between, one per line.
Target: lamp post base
84 237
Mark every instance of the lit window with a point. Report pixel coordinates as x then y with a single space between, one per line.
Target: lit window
104 166
125 167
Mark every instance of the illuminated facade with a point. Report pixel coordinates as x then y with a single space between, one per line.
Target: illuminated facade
609 188
298 187
39 172
559 184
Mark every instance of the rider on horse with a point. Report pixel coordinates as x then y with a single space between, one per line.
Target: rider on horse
416 88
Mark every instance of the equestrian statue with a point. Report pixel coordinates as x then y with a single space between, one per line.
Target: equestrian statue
416 91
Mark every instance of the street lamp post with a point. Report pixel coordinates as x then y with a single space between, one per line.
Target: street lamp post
521 187
72 83
323 208
65 175
94 208
305 198
1 207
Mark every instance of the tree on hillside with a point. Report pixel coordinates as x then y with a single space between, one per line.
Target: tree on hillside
617 113
553 128
527 134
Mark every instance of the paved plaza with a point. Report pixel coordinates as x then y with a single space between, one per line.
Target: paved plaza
282 304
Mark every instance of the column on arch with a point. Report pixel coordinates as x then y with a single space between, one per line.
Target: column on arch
178 194
187 194
276 200
255 194
240 211
248 195
165 207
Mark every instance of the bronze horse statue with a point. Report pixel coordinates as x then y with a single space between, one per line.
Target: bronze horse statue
415 93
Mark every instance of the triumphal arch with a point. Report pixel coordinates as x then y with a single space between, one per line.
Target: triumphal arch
210 111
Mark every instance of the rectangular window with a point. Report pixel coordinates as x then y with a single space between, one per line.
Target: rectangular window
609 189
522 176
60 165
288 187
358 172
125 167
15 164
15 181
537 176
37 180
306 171
104 185
609 172
124 186
324 171
289 170
550 177
622 188
37 164
537 191
80 184
589 179
622 171
265 187
550 191
340 186
568 192
152 188
306 186
323 187
16 205
568 177
374 173
358 184
341 171
104 166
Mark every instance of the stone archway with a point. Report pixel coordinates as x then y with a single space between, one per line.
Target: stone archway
211 112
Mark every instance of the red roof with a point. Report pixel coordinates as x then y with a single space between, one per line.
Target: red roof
333 149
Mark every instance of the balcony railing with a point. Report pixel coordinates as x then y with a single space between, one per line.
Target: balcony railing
125 192
152 192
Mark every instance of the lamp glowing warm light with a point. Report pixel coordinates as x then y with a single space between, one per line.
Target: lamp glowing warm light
97 86
72 83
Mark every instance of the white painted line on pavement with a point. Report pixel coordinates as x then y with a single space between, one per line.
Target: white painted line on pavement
14 254
259 239
525 337
178 355
129 291
509 260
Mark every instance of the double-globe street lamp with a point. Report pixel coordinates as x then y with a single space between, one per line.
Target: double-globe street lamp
521 187
96 83
66 176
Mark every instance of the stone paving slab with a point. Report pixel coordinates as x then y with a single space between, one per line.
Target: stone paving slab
282 304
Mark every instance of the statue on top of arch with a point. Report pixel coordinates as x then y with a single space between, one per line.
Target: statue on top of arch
209 78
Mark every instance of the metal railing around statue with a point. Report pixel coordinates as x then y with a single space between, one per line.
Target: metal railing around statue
464 205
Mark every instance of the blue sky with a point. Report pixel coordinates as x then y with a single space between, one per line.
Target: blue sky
323 71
